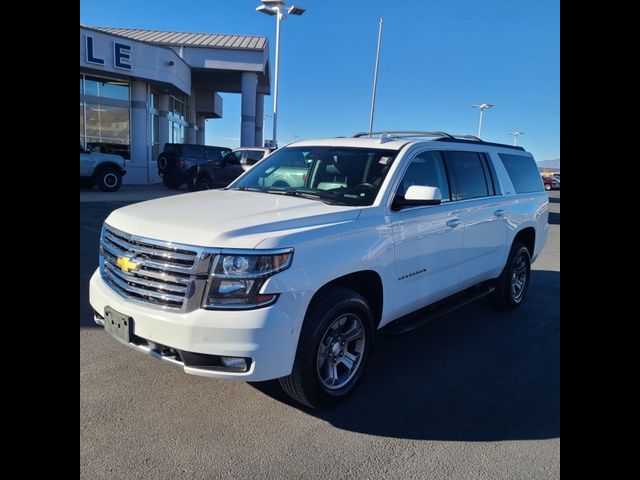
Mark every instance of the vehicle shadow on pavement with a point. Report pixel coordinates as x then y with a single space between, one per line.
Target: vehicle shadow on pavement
554 218
474 375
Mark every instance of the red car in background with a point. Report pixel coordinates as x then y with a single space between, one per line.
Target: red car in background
551 183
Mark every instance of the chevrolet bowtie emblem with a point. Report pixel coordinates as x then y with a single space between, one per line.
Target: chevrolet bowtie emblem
126 264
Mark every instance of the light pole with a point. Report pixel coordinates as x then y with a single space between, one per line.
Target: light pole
277 8
515 137
375 78
482 107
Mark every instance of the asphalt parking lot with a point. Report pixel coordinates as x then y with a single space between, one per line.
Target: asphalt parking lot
473 395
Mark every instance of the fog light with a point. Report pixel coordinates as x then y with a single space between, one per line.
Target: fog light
234 362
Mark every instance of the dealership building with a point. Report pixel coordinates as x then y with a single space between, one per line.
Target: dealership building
140 89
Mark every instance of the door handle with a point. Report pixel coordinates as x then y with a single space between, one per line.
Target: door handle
453 223
499 212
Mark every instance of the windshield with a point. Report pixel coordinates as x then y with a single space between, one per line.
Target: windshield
335 175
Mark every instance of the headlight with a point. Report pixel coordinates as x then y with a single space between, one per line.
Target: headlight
237 277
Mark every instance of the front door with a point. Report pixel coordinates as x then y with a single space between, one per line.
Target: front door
428 240
86 163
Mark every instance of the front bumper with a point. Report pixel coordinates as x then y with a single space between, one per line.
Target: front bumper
268 336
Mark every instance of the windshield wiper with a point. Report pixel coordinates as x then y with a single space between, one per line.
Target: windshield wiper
246 189
293 193
308 195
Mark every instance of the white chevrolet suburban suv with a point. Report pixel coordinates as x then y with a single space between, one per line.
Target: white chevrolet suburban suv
258 281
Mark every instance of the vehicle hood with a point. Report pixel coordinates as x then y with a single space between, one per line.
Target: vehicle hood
226 218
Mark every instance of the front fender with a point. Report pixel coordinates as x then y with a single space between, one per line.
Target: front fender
333 252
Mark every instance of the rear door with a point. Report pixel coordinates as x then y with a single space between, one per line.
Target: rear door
480 209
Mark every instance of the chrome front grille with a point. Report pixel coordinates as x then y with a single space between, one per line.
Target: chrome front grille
164 274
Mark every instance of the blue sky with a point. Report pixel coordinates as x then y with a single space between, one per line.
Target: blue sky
437 58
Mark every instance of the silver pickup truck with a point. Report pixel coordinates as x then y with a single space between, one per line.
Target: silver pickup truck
101 169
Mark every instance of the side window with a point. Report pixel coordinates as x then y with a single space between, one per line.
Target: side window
467 175
192 151
212 154
523 172
253 156
232 158
426 169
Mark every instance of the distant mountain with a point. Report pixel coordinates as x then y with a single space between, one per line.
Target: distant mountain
555 163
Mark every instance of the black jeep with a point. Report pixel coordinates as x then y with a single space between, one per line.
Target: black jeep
178 162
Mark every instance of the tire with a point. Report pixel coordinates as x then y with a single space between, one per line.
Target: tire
320 377
165 163
171 182
108 179
507 294
191 182
204 183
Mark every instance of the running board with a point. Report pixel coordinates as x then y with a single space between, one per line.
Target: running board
415 320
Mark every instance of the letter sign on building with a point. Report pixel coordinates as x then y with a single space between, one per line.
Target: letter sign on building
121 54
91 57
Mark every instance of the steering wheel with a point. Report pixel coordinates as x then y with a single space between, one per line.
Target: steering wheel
368 186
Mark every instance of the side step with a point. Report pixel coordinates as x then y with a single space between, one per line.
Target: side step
417 319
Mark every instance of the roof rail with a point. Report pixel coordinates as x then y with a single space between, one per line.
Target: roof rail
391 134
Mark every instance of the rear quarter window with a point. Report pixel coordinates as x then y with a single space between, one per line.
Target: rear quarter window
523 172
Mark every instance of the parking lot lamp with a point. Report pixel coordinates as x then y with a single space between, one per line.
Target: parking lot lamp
482 107
515 137
277 8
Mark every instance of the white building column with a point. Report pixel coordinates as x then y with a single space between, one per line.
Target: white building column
259 119
191 118
200 122
138 167
248 128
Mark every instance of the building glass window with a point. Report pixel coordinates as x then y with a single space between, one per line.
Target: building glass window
155 137
154 100
106 124
82 134
105 128
107 88
178 107
154 122
177 118
176 132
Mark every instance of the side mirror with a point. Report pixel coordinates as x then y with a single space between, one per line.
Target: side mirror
418 195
